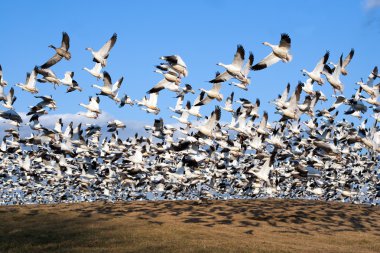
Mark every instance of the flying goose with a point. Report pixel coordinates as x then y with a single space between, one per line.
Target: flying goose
9 99
96 71
233 70
178 107
211 94
315 75
70 82
61 52
125 99
194 110
184 119
150 104
11 115
279 52
30 83
102 54
208 128
228 105
346 61
48 76
176 63
333 76
108 89
3 83
168 82
93 106
245 71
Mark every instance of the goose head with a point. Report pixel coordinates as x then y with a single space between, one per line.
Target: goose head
220 97
89 49
51 46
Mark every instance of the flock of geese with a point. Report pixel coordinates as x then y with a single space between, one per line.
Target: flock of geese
306 153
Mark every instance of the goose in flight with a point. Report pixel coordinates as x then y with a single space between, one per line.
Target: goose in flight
315 75
108 89
176 63
70 82
245 71
60 52
95 71
208 128
126 100
228 105
103 53
3 83
232 70
346 61
48 76
332 76
9 99
150 104
30 83
93 106
11 115
279 52
170 81
211 94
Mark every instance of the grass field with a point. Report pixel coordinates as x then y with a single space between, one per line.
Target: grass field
185 226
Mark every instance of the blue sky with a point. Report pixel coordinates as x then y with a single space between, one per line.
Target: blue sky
202 32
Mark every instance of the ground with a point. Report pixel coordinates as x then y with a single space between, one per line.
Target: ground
269 225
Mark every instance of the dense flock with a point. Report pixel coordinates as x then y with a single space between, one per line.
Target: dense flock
313 150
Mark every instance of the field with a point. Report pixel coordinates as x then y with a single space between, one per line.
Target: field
187 226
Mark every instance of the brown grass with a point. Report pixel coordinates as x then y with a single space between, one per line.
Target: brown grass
185 226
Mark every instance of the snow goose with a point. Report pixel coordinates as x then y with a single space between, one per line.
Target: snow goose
48 76
95 71
176 63
178 107
211 94
3 83
184 119
11 115
108 89
279 52
372 90
170 82
126 100
61 52
194 110
292 111
245 71
30 83
102 55
234 69
228 105
93 106
208 128
70 82
333 76
150 104
10 99
346 61
315 75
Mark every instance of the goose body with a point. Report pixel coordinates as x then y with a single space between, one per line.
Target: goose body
279 52
102 54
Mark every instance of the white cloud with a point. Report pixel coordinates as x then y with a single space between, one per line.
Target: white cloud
371 4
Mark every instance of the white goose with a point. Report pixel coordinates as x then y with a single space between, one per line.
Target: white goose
228 105
176 63
315 75
30 83
234 69
208 128
103 53
279 52
108 89
333 76
93 106
211 94
245 71
9 99
3 83
150 104
184 119
96 71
